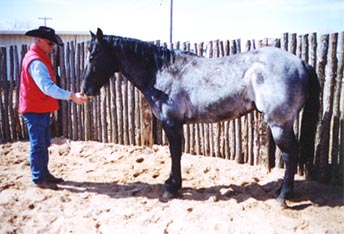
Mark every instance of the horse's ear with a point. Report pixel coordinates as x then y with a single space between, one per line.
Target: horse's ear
92 34
100 34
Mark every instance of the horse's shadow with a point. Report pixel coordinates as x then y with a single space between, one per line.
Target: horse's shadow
306 193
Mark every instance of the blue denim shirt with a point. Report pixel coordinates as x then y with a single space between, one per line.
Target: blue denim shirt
41 76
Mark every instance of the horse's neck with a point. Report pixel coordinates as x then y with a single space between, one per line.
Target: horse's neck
140 63
136 74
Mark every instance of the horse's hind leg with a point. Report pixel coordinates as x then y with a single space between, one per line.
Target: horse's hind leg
285 139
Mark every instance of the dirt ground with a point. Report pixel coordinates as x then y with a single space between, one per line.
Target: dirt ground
117 189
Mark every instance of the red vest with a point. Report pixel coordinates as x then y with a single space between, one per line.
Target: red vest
31 98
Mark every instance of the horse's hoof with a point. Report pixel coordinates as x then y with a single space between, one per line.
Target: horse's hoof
282 203
166 196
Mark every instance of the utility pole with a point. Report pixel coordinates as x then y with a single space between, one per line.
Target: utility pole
171 20
45 19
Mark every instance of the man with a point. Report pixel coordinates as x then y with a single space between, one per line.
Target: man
38 97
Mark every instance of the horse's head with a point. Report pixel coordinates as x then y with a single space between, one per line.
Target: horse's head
100 64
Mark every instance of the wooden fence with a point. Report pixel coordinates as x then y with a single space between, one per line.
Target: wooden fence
121 115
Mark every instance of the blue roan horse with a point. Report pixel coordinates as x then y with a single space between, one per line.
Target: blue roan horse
185 88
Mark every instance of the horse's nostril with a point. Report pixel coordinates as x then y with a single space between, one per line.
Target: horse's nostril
87 91
83 91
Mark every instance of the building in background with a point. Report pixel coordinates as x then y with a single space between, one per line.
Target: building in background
18 38
12 38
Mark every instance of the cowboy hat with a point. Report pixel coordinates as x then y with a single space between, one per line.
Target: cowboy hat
46 33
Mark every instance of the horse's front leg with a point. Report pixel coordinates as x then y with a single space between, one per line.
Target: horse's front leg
174 133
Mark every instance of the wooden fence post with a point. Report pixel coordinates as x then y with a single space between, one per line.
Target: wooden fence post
331 70
207 127
72 76
10 95
138 114
6 133
125 111
87 107
17 84
79 108
292 43
103 112
131 114
88 117
321 64
201 148
147 124
113 112
313 50
341 75
62 114
23 51
335 157
119 106
2 88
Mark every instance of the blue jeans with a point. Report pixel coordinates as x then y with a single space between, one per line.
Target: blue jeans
38 125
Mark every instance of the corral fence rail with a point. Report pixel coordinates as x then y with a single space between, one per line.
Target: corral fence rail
121 115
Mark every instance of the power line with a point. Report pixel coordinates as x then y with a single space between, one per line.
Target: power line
45 19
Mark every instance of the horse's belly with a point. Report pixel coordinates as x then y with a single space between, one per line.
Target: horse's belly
218 111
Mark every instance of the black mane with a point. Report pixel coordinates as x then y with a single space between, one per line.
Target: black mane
144 50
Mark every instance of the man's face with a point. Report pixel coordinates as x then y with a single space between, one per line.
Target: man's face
45 45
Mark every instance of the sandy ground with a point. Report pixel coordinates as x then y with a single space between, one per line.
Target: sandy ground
117 189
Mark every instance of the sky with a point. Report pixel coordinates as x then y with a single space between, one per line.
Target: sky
193 20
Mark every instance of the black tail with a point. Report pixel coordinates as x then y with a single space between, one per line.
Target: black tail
309 122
